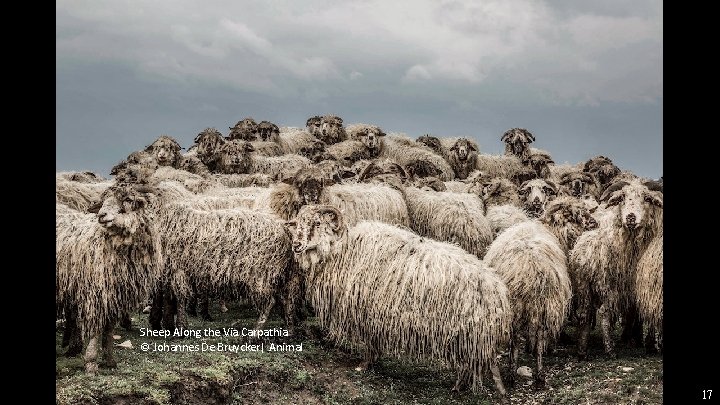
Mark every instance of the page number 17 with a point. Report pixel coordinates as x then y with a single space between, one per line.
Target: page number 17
707 394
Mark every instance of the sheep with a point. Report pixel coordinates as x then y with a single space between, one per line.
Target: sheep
268 132
463 157
449 217
80 196
394 292
136 158
502 204
106 265
417 159
236 157
364 142
531 259
314 125
243 180
534 194
539 161
579 184
166 151
331 130
602 168
604 261
429 184
301 142
456 186
507 166
81 177
431 142
517 141
207 143
649 289
245 130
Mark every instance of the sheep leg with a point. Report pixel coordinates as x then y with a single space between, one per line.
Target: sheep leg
192 305
463 376
107 345
205 307
90 358
583 334
182 321
169 309
514 352
126 321
632 334
540 375
495 370
265 313
72 334
651 341
293 293
606 328
370 356
156 311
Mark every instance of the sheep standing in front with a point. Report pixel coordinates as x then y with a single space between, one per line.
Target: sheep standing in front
463 157
331 130
649 291
364 142
604 261
535 193
394 292
106 265
531 259
517 142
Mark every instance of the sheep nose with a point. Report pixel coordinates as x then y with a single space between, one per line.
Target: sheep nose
296 247
630 219
536 200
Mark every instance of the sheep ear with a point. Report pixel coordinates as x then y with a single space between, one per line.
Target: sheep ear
505 136
530 137
95 208
654 200
472 147
347 174
552 185
288 180
381 133
612 188
615 200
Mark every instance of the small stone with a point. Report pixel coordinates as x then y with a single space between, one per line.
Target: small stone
627 369
116 337
147 309
524 371
126 344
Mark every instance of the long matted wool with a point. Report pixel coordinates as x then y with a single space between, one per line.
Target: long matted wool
367 202
101 278
193 182
237 250
456 186
81 177
243 180
530 261
79 195
292 140
406 152
502 217
411 297
505 166
349 151
649 285
449 217
277 167
264 148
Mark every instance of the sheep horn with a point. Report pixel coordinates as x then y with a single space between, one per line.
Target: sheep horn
618 185
366 171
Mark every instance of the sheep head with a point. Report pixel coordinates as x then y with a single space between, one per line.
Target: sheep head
568 218
579 184
385 171
463 148
313 125
422 168
635 201
234 156
517 141
539 162
431 142
136 158
331 129
370 136
123 213
602 168
535 194
268 132
208 143
314 151
310 182
316 231
166 151
497 191
245 129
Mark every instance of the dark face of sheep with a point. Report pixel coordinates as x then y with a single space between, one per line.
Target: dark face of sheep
208 143
570 217
462 149
267 131
539 162
166 151
245 129
517 141
314 151
535 194
313 125
498 191
235 156
431 142
602 168
331 129
634 201
136 158
576 184
123 215
422 168
316 231
371 137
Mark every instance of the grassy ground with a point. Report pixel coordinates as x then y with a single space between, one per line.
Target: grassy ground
325 374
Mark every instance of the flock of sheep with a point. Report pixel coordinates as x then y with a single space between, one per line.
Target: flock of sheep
423 249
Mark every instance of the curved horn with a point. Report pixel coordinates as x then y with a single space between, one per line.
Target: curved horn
505 135
618 185
653 185
529 136
366 171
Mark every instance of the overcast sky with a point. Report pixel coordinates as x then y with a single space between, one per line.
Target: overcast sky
585 77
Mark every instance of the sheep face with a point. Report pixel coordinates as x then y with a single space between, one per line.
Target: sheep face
313 125
570 217
602 168
245 129
235 157
371 137
166 151
539 162
422 168
122 213
316 233
517 141
431 142
535 194
208 142
314 151
267 131
577 184
331 129
136 158
634 201
462 149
